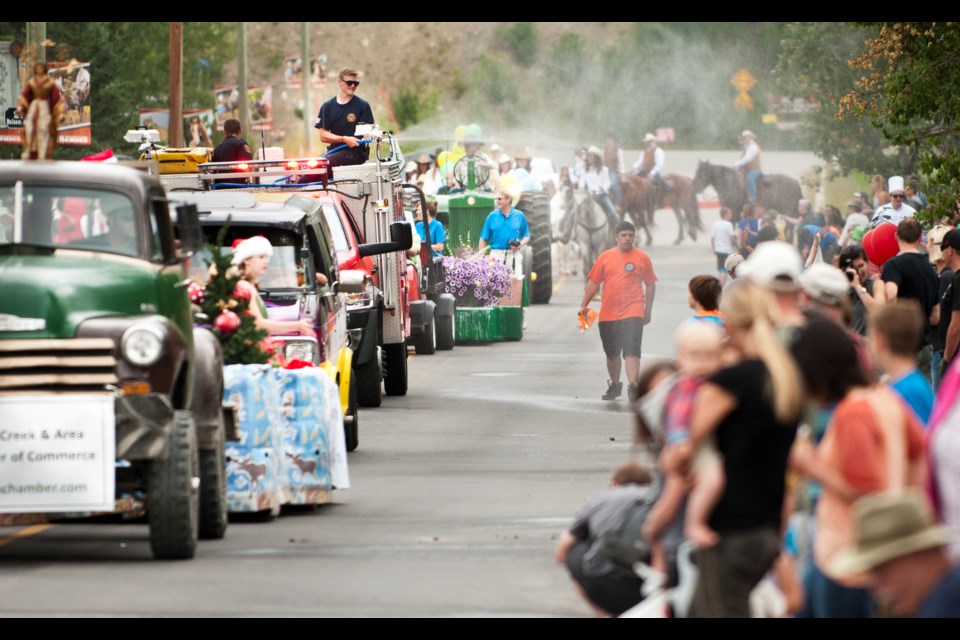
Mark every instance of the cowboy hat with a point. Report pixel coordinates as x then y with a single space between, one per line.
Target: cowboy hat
423 159
595 150
649 138
746 133
888 525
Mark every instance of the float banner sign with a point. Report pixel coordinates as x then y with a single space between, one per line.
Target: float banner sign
57 454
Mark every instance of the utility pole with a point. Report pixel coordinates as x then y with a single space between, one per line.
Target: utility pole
35 51
242 76
307 86
176 85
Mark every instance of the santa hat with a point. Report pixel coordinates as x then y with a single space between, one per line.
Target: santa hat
895 184
249 248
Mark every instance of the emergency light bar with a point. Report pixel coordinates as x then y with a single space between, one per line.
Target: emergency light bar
294 170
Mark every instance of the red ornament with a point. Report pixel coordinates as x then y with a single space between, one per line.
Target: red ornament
242 293
197 293
880 244
227 322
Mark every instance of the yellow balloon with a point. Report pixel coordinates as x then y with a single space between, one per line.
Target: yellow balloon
511 184
455 154
442 158
459 132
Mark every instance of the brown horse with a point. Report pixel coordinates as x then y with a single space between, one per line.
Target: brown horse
774 190
680 197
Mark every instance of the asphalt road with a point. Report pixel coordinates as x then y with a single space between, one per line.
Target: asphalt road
458 491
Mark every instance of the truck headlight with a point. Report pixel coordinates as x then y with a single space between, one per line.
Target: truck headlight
142 345
301 350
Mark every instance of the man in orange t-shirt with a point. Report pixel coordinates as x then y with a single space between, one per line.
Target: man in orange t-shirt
629 286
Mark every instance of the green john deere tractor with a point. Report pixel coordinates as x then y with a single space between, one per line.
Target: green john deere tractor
464 214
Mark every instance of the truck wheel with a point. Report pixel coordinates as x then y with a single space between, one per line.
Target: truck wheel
425 342
395 369
369 378
351 422
536 207
173 500
213 490
446 332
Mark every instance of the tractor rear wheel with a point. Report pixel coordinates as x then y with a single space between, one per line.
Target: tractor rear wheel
536 207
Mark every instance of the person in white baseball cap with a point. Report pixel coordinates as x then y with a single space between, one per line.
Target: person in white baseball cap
251 256
776 266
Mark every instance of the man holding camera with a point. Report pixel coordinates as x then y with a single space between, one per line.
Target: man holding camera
506 232
866 292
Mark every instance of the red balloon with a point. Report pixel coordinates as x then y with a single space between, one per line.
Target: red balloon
227 322
880 244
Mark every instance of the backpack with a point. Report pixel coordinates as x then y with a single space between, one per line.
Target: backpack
622 542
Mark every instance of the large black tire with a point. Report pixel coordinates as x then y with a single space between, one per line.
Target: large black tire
425 343
536 207
173 496
369 382
446 332
213 490
395 369
351 422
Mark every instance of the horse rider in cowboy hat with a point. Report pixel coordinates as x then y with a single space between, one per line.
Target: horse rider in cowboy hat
650 165
749 162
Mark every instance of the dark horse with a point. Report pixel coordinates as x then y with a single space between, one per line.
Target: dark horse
774 190
681 198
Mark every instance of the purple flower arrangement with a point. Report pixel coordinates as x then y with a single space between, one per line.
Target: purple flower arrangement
475 280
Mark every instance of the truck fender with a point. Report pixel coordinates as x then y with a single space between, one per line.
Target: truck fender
366 349
446 304
421 314
207 404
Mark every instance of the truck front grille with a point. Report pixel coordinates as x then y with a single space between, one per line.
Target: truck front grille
47 366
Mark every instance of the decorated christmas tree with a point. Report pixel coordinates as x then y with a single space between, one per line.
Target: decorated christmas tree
228 309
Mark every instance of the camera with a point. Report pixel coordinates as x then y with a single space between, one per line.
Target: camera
514 243
849 276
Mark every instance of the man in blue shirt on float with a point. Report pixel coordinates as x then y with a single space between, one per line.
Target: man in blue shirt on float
506 232
438 236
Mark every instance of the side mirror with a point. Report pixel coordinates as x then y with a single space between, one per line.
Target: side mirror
401 239
402 234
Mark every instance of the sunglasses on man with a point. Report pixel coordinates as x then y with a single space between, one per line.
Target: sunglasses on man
352 83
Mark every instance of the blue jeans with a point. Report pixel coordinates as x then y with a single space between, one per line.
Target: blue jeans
614 186
824 598
604 201
752 176
936 361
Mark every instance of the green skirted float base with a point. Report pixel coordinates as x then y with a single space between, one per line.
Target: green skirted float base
488 324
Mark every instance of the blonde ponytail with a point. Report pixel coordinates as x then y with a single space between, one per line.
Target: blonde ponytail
752 308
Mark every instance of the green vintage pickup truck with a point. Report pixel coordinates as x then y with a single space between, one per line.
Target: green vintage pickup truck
111 399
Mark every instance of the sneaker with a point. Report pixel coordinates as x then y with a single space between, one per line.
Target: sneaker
613 391
632 392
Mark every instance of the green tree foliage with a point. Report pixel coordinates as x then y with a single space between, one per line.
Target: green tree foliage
129 69
415 105
521 39
908 90
815 65
492 81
